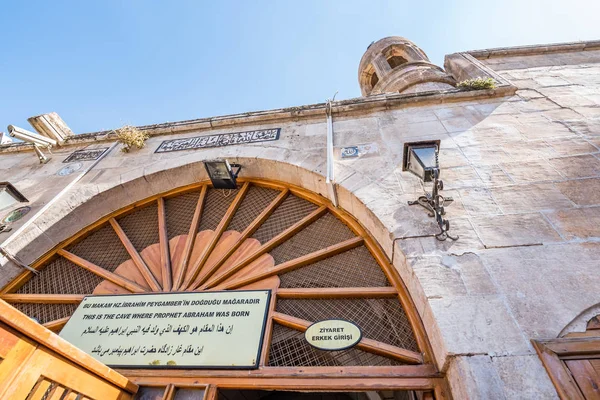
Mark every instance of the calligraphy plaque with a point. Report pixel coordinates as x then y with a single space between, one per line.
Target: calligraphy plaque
85 155
172 330
223 139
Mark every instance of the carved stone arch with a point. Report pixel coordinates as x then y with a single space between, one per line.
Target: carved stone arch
224 254
581 322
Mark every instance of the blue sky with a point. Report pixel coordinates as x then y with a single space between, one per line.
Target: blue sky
104 64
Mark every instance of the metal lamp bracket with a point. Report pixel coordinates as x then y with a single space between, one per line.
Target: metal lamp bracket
237 171
434 202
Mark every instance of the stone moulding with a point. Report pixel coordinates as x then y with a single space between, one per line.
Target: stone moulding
536 49
340 108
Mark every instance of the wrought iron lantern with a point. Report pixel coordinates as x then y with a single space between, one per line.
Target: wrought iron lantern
421 159
222 174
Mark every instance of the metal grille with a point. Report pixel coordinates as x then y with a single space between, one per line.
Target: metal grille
353 268
150 393
102 248
189 394
290 349
179 213
141 226
324 232
292 210
46 312
383 320
36 387
61 277
256 200
216 203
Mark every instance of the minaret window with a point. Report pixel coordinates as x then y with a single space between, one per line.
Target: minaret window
395 61
374 79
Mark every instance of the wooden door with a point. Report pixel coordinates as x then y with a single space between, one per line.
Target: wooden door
573 364
587 376
35 367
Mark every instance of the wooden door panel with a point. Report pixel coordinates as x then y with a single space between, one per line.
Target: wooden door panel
573 365
586 376
29 370
596 365
12 364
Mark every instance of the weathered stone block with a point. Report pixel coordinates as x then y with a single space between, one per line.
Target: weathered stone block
478 325
439 279
515 230
534 171
566 284
571 146
485 155
584 192
527 198
578 223
473 377
493 175
532 381
577 167
460 177
479 201
427 244
8 271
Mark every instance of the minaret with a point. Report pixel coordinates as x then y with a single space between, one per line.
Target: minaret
396 65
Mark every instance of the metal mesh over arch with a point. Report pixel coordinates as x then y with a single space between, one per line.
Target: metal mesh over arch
102 248
290 349
379 319
323 254
292 210
140 226
61 277
353 268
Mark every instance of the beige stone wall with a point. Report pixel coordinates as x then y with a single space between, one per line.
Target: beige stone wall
524 172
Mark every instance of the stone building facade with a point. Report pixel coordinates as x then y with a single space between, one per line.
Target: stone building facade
521 161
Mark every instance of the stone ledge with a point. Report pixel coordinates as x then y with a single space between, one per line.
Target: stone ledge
536 49
340 108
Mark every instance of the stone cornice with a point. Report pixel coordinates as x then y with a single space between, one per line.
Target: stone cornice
536 49
340 108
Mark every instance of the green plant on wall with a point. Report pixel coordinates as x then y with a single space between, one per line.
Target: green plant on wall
130 137
477 83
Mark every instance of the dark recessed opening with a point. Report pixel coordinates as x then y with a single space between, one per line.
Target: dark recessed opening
374 79
395 61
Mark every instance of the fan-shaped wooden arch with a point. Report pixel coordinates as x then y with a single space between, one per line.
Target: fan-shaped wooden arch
318 261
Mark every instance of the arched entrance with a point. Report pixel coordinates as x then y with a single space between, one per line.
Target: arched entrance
318 261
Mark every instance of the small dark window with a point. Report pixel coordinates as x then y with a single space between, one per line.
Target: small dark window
395 61
374 79
9 195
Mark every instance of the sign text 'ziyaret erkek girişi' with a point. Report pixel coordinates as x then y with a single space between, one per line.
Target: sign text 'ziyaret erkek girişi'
202 330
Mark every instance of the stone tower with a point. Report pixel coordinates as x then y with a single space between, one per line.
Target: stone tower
396 65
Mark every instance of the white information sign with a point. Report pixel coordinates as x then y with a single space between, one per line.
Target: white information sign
202 330
333 334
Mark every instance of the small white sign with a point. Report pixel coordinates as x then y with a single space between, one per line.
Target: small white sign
193 330
333 334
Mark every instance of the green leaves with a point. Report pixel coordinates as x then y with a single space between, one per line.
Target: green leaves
131 136
477 83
